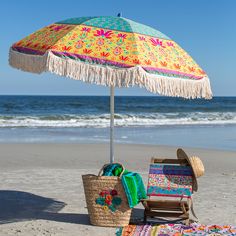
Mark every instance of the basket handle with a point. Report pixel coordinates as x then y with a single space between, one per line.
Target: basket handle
123 169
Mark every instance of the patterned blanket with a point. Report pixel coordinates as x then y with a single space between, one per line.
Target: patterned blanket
176 230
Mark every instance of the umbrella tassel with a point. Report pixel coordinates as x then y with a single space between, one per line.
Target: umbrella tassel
103 75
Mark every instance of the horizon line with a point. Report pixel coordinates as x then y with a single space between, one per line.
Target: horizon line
92 95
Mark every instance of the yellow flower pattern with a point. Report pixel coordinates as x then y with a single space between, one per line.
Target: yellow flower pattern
112 47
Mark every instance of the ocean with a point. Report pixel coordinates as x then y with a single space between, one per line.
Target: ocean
145 120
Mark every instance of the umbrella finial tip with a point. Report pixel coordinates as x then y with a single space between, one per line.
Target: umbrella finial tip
119 14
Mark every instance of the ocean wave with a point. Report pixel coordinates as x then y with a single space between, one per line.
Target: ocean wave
121 120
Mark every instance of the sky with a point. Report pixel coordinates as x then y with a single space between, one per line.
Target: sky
206 29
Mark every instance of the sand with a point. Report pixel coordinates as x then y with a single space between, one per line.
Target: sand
41 191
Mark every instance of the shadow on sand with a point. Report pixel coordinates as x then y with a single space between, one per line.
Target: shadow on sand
18 206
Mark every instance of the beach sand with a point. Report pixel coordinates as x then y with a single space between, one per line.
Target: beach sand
41 191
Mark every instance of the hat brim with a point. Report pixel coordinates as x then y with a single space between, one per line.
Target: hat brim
182 155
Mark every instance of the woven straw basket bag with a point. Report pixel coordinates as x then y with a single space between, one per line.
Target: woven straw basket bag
106 200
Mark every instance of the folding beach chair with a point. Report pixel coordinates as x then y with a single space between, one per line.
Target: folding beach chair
169 190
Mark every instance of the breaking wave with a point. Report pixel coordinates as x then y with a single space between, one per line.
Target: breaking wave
121 120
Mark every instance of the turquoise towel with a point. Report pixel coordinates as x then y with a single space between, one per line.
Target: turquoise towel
112 170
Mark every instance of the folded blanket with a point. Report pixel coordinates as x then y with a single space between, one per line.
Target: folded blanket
132 183
112 170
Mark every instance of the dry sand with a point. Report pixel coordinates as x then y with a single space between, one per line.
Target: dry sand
41 190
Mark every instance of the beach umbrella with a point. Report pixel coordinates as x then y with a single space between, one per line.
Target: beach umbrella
115 52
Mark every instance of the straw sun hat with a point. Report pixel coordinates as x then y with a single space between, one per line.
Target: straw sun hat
195 163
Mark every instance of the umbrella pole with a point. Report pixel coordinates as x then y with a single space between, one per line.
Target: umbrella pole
112 124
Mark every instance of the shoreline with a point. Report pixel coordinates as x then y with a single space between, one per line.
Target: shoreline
42 191
107 143
220 137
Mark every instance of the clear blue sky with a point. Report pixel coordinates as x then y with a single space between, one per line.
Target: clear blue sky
204 28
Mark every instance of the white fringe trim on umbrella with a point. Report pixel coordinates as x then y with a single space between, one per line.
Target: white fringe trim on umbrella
109 76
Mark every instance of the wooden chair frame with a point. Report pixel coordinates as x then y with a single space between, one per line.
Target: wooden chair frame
167 210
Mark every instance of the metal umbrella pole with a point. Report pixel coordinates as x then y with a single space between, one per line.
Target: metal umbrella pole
112 88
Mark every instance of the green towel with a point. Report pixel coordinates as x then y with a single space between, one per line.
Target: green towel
134 188
132 183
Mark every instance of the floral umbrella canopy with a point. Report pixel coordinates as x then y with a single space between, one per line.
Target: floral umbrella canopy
115 52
